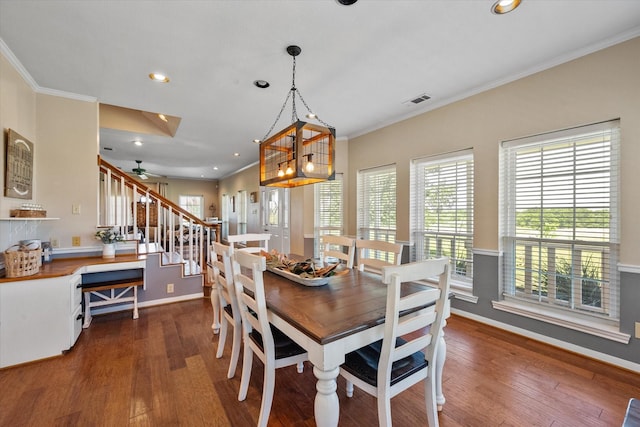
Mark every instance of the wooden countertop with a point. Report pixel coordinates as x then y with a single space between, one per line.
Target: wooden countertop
68 266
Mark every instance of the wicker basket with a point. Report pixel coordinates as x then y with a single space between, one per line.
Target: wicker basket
26 213
22 262
141 215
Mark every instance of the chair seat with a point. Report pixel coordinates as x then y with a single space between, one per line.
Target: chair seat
363 363
284 346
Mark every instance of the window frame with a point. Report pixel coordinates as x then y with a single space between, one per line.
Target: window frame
186 205
370 191
457 168
577 141
335 225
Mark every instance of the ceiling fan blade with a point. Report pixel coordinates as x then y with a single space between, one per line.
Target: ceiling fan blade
143 176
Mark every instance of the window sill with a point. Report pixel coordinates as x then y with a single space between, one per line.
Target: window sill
553 317
459 291
463 294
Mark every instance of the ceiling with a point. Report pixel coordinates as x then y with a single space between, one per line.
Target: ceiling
359 64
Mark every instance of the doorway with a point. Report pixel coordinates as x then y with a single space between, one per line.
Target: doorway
274 205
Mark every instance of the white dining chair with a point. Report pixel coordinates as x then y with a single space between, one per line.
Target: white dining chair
227 304
272 346
260 242
390 366
341 248
373 255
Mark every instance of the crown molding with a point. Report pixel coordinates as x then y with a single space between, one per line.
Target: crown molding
17 65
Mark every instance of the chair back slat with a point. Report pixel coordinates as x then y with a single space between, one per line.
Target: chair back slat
335 246
421 320
261 238
416 271
418 299
377 254
411 347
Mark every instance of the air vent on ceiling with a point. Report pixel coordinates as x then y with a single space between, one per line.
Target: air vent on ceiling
418 99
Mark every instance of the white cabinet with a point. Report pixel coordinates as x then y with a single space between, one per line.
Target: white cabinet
36 318
76 309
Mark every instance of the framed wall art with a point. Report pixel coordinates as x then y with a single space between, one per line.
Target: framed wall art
18 179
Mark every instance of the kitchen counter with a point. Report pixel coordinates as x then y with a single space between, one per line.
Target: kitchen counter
68 266
42 315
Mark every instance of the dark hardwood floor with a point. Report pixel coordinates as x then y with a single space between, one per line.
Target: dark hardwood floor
160 370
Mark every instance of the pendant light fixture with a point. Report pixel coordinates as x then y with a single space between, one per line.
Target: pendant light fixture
302 153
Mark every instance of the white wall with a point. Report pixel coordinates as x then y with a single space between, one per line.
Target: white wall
64 133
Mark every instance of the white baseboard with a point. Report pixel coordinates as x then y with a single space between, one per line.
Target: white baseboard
606 358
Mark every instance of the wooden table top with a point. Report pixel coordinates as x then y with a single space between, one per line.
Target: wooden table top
349 303
67 266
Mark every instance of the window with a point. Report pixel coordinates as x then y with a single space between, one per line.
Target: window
559 225
442 212
242 212
224 228
328 211
192 204
377 203
272 207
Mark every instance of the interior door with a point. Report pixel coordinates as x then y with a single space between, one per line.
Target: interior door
275 217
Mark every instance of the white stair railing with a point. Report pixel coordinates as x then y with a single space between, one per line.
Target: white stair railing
157 223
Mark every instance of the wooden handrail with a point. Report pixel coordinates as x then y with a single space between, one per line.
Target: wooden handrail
130 182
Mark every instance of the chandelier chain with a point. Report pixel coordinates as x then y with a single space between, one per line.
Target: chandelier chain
278 117
294 114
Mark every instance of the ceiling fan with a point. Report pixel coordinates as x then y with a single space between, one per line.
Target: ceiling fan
142 173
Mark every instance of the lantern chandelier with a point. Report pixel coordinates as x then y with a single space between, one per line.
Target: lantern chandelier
302 153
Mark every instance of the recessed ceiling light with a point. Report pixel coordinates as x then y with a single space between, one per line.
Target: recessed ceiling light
236 154
137 142
504 6
163 118
157 77
311 116
256 141
262 84
215 168
347 2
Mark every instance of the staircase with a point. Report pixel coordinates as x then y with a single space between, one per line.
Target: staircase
161 226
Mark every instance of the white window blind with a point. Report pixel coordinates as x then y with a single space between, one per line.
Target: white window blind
224 231
559 223
242 211
442 211
328 209
377 203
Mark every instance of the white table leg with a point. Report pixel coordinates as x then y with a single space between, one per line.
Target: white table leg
441 356
327 406
215 305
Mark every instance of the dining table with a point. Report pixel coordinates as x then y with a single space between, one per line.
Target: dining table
332 320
